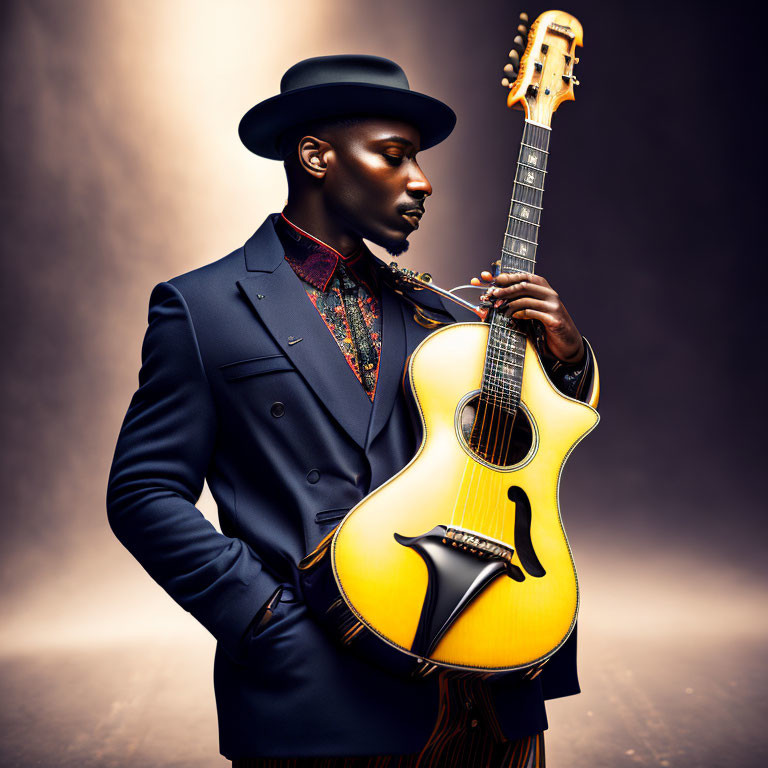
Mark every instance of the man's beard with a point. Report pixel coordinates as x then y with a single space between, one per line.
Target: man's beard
396 249
392 247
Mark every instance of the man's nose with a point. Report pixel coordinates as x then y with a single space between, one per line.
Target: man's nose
418 184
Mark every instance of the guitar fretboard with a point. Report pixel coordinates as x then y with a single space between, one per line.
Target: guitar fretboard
503 372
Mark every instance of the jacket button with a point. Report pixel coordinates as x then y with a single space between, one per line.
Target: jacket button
277 410
313 476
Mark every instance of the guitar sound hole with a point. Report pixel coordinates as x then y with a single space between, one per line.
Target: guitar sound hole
493 435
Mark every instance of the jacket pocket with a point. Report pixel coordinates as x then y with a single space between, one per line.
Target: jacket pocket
330 515
255 366
266 623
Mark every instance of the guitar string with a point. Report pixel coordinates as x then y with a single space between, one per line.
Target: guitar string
497 401
469 491
502 508
458 494
536 140
491 401
530 138
497 404
499 508
503 418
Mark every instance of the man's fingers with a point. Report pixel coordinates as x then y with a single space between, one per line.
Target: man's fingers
487 277
511 306
533 314
510 278
523 289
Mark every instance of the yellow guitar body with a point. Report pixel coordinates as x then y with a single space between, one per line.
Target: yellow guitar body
510 624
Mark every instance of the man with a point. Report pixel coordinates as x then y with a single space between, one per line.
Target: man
275 373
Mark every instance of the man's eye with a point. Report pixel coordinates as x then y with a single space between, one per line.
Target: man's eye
393 159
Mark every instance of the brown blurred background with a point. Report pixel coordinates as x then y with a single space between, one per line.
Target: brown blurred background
122 168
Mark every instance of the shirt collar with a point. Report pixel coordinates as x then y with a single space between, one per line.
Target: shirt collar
315 261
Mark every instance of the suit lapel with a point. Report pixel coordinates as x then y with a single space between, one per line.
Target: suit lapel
391 362
279 299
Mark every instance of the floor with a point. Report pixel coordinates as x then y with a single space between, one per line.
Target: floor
644 703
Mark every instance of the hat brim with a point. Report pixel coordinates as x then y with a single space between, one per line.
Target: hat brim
263 125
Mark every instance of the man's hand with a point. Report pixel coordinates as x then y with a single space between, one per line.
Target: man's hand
530 297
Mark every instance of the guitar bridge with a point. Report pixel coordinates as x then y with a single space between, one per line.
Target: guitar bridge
478 545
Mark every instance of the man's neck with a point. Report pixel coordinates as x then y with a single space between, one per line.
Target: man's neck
315 221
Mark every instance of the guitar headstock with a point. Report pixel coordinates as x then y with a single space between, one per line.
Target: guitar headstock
540 70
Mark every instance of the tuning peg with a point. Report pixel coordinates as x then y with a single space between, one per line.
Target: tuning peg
509 70
523 18
514 57
505 82
519 43
522 29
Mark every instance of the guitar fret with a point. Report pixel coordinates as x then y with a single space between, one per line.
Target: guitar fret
515 231
514 267
530 146
526 214
532 167
498 340
530 186
517 237
524 221
504 361
529 205
501 335
511 351
502 391
517 255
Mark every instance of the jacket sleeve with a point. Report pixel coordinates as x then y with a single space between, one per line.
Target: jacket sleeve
577 380
163 451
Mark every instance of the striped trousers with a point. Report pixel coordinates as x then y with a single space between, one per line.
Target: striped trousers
466 735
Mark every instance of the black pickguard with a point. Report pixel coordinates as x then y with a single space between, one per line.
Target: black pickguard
456 576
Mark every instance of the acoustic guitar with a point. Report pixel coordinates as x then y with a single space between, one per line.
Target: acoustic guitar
461 559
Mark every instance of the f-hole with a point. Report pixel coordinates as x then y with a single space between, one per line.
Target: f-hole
492 435
523 543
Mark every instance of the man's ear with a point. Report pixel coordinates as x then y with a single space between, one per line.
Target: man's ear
313 155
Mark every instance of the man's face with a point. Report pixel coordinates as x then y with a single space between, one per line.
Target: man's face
372 181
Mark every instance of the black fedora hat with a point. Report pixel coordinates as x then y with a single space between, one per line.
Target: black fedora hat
341 86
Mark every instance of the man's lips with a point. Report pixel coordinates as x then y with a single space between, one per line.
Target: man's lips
413 216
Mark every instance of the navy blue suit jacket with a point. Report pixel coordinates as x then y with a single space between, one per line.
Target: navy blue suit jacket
216 359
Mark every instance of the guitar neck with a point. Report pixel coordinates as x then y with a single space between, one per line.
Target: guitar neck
518 251
503 372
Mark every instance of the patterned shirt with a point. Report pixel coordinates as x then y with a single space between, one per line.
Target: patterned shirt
344 290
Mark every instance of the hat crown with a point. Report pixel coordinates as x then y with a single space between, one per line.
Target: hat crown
328 87
346 68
